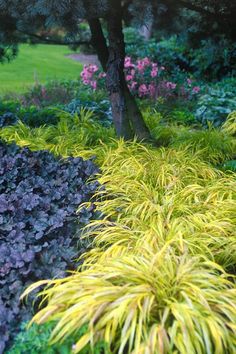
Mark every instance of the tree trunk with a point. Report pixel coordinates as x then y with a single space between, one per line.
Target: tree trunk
139 127
99 41
127 117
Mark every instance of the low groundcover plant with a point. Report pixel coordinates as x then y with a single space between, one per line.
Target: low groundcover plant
160 278
39 225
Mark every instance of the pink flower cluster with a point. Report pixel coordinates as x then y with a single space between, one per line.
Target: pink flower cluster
195 89
145 79
142 76
88 75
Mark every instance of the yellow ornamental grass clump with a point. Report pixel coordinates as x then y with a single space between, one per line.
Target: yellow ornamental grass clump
82 136
229 126
155 281
72 136
165 196
160 276
157 303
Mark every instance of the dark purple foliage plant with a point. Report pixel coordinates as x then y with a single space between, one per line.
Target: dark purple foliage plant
39 224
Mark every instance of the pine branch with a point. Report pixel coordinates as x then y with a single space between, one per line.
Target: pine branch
48 40
190 6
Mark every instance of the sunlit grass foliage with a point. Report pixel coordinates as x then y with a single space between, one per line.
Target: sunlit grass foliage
230 124
157 303
160 275
81 135
71 136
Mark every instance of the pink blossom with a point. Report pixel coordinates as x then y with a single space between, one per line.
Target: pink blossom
93 68
128 63
146 61
143 90
152 90
142 63
133 84
189 81
101 75
143 79
170 85
154 72
86 82
196 89
43 91
94 84
129 77
86 74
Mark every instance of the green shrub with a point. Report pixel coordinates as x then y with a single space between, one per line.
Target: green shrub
57 92
184 117
216 103
40 105
36 340
12 106
230 165
35 117
101 111
52 93
85 35
213 59
169 52
7 51
32 116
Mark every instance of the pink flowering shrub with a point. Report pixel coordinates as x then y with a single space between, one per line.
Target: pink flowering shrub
92 76
145 79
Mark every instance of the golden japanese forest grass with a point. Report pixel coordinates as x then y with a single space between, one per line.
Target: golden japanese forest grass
229 126
81 135
160 277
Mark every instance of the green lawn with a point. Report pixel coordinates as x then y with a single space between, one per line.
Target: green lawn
42 62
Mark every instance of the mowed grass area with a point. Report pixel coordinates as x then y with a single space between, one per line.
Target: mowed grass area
40 62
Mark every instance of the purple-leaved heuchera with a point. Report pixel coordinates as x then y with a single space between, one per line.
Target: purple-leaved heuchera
39 198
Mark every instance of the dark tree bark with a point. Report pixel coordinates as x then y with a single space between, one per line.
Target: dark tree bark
127 117
99 41
115 79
